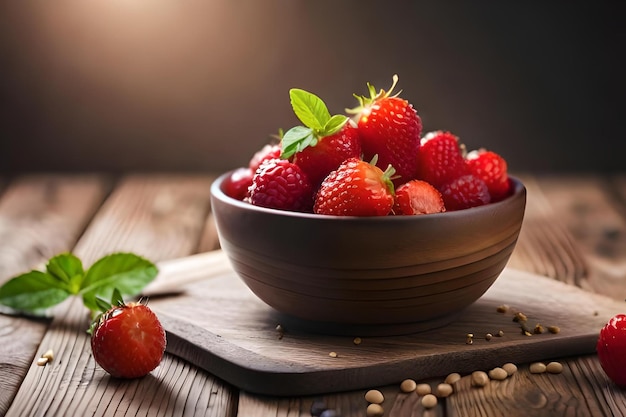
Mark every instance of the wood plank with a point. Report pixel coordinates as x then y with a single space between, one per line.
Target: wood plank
588 208
40 216
160 218
545 245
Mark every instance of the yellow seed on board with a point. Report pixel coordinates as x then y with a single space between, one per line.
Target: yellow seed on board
374 396
408 385
452 378
479 378
510 368
503 308
333 354
537 368
498 374
444 390
423 389
374 410
357 341
429 401
48 355
554 329
42 361
554 368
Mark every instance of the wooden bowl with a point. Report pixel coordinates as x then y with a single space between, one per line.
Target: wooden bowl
368 275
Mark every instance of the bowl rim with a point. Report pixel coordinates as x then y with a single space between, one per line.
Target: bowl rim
519 191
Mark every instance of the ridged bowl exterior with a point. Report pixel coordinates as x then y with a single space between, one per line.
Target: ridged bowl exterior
374 271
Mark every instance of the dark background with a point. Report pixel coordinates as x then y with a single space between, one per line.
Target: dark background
198 85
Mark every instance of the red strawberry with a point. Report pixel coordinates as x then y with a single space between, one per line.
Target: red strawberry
237 184
440 158
356 188
323 142
269 151
390 128
281 184
491 168
611 349
465 192
241 179
128 341
329 152
418 197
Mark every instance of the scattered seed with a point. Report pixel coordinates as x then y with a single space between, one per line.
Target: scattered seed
500 333
503 308
357 341
554 329
280 330
444 390
510 368
423 389
488 336
48 355
333 354
537 368
374 410
538 329
408 385
374 396
429 401
479 378
499 374
42 361
520 317
469 338
452 378
554 368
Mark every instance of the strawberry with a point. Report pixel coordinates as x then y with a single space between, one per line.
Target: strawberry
281 184
611 349
356 188
465 192
128 341
237 184
390 128
323 142
268 151
440 158
418 197
491 168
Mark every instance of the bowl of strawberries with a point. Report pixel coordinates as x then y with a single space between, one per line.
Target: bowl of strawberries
360 223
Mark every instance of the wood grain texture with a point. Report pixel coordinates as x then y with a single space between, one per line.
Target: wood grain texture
40 216
579 242
160 218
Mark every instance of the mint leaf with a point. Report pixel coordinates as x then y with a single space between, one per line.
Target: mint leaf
296 139
334 124
127 272
309 108
67 268
33 291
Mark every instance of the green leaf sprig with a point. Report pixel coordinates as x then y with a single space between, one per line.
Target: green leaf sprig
124 274
318 122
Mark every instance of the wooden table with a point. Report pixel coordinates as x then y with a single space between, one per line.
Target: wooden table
574 231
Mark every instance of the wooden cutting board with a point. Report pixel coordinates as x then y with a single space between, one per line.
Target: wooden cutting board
219 325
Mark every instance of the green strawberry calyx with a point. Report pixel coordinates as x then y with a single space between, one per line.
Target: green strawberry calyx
388 174
317 120
365 102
